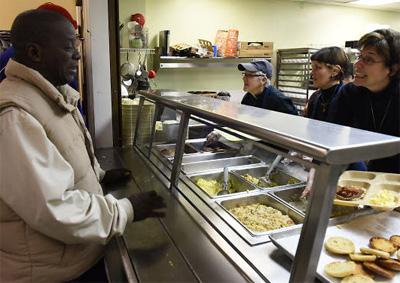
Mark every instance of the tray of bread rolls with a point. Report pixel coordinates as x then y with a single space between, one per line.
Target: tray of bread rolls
374 189
366 249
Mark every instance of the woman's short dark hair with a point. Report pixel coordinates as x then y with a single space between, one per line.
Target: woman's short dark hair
387 44
332 56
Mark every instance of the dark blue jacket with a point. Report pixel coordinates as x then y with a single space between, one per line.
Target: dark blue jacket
321 106
5 56
357 107
271 99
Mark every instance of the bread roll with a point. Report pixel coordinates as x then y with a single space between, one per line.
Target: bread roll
340 245
340 269
357 279
379 270
382 244
378 253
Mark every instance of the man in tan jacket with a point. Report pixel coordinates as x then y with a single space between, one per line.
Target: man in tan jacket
54 218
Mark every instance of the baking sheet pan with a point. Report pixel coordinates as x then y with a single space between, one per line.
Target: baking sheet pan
360 230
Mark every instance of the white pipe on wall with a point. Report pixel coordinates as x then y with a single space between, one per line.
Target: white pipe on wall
97 63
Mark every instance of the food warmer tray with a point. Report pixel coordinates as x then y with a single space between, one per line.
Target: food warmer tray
292 197
265 199
282 179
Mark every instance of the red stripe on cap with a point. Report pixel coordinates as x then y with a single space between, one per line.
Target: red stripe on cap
58 9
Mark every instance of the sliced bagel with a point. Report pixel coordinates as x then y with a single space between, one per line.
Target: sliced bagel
358 278
362 257
395 239
378 270
378 253
382 244
392 264
360 270
398 254
340 245
340 269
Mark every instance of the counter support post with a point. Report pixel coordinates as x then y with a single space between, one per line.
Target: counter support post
157 112
180 146
139 111
315 224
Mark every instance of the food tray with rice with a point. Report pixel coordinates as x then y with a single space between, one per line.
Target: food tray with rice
357 243
277 179
261 214
374 189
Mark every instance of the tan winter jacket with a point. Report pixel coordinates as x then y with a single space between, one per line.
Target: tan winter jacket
54 225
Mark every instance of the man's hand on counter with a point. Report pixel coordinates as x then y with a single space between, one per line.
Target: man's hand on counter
117 176
146 205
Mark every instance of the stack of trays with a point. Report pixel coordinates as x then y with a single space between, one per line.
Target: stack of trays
129 116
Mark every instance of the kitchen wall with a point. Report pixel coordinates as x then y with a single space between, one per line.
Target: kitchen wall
10 9
288 24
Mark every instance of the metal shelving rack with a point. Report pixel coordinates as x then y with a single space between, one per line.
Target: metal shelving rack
170 62
294 74
149 51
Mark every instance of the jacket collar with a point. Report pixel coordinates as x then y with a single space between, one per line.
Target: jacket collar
64 96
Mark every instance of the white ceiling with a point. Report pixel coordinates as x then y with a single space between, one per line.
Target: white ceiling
394 7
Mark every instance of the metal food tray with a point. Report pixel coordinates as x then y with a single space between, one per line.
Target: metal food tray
360 230
373 183
168 150
202 156
267 200
240 187
207 165
292 198
214 147
276 176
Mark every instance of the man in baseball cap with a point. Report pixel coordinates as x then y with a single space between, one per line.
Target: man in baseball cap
259 92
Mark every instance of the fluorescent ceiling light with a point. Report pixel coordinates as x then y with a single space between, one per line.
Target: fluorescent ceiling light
375 2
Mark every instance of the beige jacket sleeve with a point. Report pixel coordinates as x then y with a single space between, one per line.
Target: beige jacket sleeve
38 184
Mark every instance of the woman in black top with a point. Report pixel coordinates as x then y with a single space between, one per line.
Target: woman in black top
372 101
328 68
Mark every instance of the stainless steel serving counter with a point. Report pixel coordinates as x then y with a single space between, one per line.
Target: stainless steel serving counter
205 241
183 246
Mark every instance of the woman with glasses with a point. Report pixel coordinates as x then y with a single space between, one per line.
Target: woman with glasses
372 101
256 82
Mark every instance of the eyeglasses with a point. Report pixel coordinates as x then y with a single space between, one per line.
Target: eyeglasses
248 75
367 60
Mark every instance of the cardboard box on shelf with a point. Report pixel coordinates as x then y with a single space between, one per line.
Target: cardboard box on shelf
255 49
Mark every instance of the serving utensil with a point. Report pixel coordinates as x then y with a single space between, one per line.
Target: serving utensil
277 159
224 190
